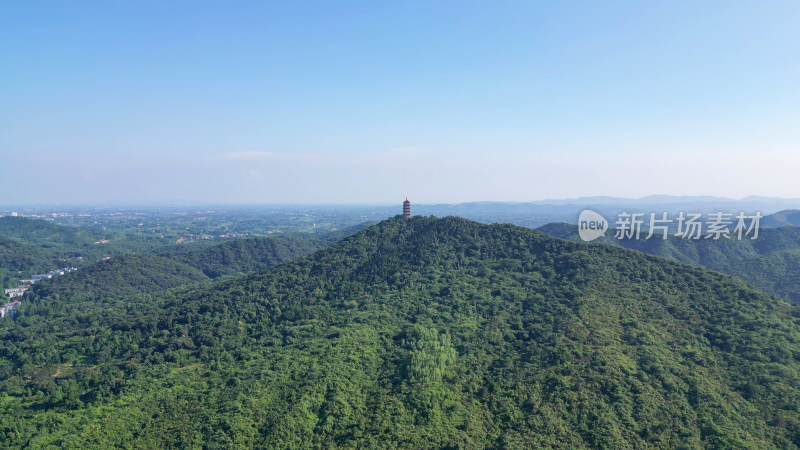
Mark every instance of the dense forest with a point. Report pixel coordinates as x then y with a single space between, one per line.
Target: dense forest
417 332
245 255
33 246
117 277
45 233
19 256
771 262
174 266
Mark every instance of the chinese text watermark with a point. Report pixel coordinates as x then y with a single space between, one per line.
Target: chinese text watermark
717 225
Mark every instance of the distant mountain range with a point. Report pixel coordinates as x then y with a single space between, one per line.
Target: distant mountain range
752 200
538 213
790 217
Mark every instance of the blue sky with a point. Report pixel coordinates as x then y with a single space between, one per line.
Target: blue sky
367 102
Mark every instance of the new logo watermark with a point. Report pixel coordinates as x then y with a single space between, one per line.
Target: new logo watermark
592 225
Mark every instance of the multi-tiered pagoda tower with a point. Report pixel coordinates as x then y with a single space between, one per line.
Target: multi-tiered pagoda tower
407 208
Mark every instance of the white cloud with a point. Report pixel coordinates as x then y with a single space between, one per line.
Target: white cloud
247 156
262 156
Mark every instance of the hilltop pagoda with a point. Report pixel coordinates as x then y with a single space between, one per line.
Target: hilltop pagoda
406 208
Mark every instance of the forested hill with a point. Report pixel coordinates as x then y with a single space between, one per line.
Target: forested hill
34 245
788 217
44 233
117 277
771 262
22 256
246 255
174 266
424 333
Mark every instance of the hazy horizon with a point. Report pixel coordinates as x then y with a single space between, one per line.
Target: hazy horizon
653 199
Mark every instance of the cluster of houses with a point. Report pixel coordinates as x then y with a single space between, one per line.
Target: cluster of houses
51 274
10 307
17 291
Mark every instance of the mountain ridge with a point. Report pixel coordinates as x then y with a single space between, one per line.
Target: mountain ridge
771 262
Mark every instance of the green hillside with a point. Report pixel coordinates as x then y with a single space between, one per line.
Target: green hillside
246 255
29 246
788 217
36 246
28 258
42 232
132 274
117 277
417 333
771 262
